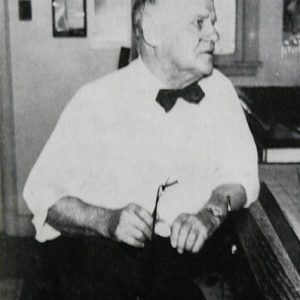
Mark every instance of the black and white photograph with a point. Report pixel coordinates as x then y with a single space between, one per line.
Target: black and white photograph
149 149
69 18
291 29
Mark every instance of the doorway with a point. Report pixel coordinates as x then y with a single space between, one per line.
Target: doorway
2 72
8 208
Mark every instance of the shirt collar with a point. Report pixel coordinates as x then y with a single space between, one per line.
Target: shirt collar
146 81
146 84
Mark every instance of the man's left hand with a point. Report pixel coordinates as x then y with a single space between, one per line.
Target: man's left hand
189 232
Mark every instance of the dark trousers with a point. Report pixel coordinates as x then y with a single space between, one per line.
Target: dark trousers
98 268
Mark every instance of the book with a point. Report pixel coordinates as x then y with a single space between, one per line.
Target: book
271 150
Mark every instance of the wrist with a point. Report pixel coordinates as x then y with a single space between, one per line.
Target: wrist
216 214
112 217
210 222
104 222
215 211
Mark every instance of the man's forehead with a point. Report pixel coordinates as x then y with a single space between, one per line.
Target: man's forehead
184 8
188 4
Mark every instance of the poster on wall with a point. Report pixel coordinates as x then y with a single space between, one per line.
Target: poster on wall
291 29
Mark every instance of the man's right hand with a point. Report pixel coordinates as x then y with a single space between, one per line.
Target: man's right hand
131 225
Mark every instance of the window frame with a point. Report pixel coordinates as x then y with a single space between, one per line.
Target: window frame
245 60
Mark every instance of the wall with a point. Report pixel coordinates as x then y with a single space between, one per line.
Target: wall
47 72
275 71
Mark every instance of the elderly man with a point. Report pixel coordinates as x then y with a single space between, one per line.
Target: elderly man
168 127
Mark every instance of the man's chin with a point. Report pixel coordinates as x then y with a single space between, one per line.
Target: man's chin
204 71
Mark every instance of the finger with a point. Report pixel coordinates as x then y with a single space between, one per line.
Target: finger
144 215
129 240
163 229
135 233
139 224
202 236
175 232
190 241
182 237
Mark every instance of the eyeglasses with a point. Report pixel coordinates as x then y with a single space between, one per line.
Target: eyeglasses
150 251
160 190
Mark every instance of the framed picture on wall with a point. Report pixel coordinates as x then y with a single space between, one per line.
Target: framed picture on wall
291 29
69 18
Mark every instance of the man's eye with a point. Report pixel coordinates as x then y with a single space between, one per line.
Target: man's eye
199 24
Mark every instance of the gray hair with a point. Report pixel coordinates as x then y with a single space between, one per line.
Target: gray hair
137 17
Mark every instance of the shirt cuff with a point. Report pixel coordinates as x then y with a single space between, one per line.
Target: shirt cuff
39 203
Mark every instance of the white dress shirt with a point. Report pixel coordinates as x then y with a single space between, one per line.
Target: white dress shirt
114 145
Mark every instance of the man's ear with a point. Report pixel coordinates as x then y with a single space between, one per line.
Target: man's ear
150 31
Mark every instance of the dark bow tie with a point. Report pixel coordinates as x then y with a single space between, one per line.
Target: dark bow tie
167 98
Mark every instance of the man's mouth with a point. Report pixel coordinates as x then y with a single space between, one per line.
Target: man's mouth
211 48
209 52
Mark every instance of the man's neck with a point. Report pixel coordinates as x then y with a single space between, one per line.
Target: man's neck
169 76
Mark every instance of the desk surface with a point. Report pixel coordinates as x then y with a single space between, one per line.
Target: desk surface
284 183
269 233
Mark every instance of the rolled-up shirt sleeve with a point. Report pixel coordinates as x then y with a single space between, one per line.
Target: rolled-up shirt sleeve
235 154
60 166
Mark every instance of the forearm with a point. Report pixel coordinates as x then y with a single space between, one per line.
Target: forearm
223 198
234 194
190 231
73 217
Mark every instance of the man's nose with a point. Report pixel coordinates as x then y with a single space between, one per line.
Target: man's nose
215 37
211 33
